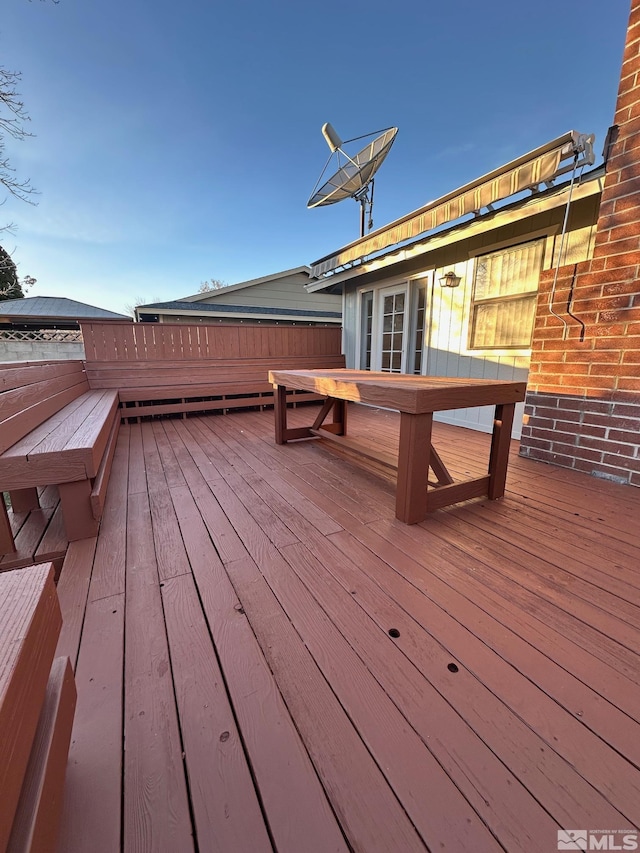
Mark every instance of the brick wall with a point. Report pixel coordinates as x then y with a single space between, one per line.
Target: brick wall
583 398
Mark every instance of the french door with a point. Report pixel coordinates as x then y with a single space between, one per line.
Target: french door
388 345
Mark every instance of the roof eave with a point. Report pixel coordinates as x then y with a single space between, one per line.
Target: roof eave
521 209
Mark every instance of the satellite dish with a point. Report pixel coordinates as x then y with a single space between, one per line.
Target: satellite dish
354 175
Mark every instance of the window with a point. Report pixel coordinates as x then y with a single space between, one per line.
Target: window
504 297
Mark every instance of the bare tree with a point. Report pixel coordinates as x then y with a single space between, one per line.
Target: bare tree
212 284
130 307
14 119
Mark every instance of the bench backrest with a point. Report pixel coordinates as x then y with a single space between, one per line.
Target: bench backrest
172 342
180 366
130 377
30 392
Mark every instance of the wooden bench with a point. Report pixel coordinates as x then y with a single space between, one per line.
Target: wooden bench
55 430
181 386
37 704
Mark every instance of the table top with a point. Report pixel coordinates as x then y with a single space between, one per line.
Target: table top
401 391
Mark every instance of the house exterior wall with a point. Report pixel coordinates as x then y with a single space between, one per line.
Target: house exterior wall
287 292
583 399
447 349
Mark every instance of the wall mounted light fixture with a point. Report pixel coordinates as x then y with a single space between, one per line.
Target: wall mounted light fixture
450 279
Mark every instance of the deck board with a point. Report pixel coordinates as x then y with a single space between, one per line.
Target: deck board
245 592
278 757
156 807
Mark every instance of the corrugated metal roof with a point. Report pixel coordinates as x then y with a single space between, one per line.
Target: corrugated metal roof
201 308
55 308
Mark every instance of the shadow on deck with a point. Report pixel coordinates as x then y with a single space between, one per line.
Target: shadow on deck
266 659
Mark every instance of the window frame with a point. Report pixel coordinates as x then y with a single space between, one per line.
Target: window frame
504 299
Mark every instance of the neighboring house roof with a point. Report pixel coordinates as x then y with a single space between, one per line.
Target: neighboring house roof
53 308
279 297
229 288
208 308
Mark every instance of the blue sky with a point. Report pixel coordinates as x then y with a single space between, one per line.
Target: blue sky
179 141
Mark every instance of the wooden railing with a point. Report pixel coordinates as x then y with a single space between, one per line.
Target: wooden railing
176 342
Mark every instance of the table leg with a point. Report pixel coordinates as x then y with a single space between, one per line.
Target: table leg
500 445
281 413
340 417
283 433
413 467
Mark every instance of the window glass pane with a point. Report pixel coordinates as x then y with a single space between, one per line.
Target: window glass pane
398 322
504 324
386 360
388 305
504 297
509 271
399 302
387 323
397 362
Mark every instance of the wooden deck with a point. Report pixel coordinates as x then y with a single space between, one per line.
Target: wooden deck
267 660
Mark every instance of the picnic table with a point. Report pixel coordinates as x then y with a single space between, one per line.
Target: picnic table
416 398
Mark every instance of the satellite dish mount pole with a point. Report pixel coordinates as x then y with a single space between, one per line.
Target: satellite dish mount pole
366 201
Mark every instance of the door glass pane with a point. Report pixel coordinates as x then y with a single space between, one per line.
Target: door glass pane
366 324
419 302
393 332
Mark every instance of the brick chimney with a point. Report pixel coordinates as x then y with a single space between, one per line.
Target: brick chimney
583 399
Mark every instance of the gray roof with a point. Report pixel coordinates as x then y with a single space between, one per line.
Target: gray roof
55 308
205 307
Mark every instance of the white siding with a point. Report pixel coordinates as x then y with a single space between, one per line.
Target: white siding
448 310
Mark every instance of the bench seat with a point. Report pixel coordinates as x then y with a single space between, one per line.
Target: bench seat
68 446
37 704
73 450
